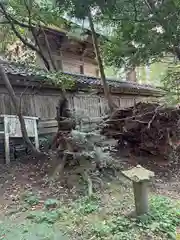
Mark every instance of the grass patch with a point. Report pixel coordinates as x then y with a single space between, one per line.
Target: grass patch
87 205
30 231
103 216
92 219
40 216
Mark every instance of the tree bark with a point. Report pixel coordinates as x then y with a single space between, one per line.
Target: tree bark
177 52
14 100
49 50
131 74
100 64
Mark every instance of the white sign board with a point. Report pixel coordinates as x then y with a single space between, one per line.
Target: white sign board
14 129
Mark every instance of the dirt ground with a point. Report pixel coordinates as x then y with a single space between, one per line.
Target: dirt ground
167 174
20 177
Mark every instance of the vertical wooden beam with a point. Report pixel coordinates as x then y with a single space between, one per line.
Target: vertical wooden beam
36 134
6 138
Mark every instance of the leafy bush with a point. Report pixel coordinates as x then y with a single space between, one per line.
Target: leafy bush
100 230
51 203
87 205
30 198
90 144
45 216
170 81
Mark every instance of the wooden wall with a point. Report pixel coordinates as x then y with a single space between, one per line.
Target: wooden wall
42 103
70 62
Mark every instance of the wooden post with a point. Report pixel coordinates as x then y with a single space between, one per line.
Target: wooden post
140 178
6 138
141 197
36 134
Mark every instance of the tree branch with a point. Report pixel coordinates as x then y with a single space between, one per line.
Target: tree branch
48 49
29 8
127 19
23 40
15 21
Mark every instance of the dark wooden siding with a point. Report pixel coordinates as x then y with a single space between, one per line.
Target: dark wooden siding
42 103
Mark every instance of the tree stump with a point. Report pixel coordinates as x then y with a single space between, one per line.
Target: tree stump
140 178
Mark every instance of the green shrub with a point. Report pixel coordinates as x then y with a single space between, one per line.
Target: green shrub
87 205
51 203
31 198
44 216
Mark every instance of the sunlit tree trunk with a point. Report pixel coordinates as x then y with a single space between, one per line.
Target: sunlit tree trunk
100 64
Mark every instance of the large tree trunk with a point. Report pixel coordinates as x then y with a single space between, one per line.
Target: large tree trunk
100 64
131 74
17 108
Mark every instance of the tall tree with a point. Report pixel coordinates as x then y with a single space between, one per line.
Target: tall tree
82 10
100 63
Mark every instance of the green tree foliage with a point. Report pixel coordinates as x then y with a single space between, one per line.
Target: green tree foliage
22 17
142 31
33 11
25 14
171 83
79 8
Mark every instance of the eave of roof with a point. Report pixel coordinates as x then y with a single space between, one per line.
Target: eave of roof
82 81
83 25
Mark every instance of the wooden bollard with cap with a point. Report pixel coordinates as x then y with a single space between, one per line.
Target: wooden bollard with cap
140 178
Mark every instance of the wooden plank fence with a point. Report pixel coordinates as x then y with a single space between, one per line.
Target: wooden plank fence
89 109
50 126
87 106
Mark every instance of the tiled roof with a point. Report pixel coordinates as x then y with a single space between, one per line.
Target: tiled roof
22 70
111 82
39 74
